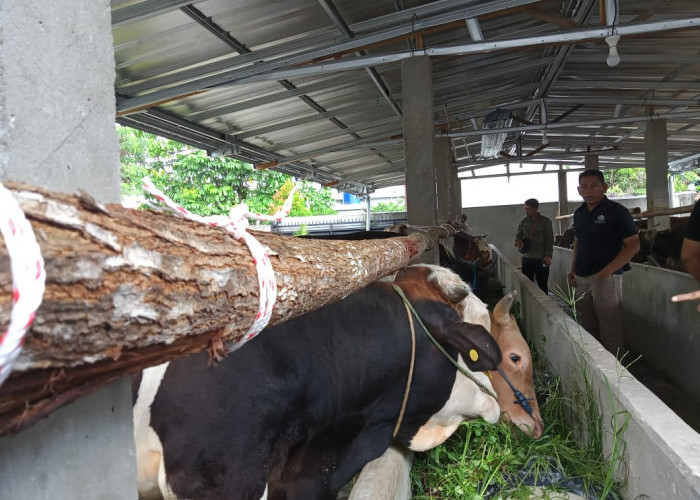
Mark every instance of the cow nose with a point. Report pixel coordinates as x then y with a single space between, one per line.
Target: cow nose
538 430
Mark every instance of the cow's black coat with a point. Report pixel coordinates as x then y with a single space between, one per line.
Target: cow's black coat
309 402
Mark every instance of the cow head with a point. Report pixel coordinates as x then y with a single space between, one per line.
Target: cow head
517 365
517 358
473 249
485 255
471 335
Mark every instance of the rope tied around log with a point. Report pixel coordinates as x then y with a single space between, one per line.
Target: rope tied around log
237 223
28 278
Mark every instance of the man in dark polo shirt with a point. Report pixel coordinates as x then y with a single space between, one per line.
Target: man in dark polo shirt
606 240
690 253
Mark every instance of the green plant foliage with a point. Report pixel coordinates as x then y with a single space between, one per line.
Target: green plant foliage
392 206
627 182
206 185
632 181
683 180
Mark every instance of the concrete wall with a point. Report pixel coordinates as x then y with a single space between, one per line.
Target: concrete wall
663 332
57 71
57 131
500 222
661 458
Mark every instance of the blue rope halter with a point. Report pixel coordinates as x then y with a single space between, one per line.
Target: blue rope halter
520 397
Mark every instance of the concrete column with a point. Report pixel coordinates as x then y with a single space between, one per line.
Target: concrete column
656 160
456 195
446 175
368 208
57 131
563 199
591 162
419 136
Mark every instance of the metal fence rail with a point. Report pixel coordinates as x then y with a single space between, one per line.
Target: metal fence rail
339 224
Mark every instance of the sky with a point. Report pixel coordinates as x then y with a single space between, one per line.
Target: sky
516 189
504 191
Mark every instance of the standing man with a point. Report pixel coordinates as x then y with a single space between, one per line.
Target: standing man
690 253
606 240
535 240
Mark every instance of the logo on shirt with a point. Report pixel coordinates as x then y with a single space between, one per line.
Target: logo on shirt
600 219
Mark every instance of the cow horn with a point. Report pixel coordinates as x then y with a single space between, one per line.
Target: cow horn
501 312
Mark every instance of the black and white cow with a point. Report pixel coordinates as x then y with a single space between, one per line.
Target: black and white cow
298 410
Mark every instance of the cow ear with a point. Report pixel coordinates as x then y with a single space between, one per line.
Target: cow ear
478 348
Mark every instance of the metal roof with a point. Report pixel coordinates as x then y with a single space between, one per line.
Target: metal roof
313 87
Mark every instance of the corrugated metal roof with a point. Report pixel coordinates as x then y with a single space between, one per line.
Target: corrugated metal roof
313 87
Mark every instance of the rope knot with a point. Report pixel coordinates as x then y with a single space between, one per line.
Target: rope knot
237 223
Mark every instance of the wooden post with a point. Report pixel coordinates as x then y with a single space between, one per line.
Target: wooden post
127 289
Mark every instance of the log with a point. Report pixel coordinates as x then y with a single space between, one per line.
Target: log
127 289
663 211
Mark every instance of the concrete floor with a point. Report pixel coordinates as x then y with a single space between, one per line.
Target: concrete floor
679 402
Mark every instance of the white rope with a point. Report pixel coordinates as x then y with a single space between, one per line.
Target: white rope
28 278
237 223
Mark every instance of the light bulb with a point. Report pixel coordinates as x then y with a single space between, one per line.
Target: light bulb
545 140
613 57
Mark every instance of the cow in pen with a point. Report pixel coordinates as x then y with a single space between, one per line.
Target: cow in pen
513 379
298 410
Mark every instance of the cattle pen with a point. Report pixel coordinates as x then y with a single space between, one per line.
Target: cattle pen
660 459
356 95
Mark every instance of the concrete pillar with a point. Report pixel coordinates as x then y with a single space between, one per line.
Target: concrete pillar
591 162
446 175
368 208
419 137
57 131
563 199
656 160
456 195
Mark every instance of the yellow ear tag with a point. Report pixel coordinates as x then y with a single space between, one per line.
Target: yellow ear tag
473 355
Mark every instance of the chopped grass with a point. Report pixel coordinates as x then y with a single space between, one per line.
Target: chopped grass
497 461
483 461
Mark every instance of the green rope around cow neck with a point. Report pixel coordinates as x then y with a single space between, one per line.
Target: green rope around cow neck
459 367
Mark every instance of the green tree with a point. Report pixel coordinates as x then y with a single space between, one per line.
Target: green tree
632 181
683 180
206 185
627 182
392 206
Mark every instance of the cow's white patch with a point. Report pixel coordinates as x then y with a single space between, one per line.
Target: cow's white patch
149 450
471 308
466 402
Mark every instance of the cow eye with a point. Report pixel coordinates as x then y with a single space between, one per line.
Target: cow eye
515 358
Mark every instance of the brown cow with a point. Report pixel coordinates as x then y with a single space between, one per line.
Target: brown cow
517 365
517 358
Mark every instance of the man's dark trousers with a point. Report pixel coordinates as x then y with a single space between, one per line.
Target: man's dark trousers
536 269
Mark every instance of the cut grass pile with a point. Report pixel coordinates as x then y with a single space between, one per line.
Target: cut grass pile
482 461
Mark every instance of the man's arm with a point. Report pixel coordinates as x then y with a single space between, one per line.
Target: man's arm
548 238
690 255
630 246
519 232
548 242
572 272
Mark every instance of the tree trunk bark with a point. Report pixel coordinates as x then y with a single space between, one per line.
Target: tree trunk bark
128 289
